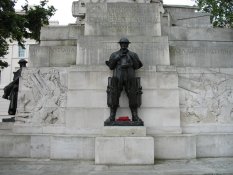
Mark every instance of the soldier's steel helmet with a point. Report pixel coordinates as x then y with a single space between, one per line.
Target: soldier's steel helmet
124 40
21 61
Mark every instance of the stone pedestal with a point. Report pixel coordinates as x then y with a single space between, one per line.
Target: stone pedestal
125 131
124 146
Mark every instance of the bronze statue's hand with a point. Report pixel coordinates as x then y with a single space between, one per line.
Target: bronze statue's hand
118 57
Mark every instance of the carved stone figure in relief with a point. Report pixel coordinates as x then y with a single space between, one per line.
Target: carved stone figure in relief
206 98
124 63
49 97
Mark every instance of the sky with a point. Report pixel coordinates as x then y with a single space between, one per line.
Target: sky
64 14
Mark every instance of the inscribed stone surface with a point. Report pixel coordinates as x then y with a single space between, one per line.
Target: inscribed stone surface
122 18
201 56
96 50
45 56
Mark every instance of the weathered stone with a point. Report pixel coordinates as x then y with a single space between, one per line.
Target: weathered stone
59 56
169 68
42 96
186 16
14 146
200 34
175 147
96 50
40 146
69 42
201 56
129 150
97 79
207 128
60 167
51 33
86 118
205 96
68 147
197 20
39 56
157 120
122 19
127 131
23 129
215 145
150 98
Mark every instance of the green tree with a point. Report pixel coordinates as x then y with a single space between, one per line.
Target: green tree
221 11
16 26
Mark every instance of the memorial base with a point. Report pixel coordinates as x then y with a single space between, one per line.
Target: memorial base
128 146
124 150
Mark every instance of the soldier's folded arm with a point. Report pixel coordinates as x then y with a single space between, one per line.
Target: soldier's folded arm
112 61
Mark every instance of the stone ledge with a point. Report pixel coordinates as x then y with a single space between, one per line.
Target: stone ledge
124 131
207 128
167 146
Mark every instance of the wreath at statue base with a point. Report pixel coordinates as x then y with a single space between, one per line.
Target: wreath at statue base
123 121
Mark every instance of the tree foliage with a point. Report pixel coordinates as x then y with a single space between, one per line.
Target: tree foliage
221 11
15 26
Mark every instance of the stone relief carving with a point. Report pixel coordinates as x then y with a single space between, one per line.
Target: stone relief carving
43 97
206 98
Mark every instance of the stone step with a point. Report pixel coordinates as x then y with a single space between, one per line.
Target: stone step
25 166
179 146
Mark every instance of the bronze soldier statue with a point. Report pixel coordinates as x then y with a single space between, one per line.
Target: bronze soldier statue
11 91
124 63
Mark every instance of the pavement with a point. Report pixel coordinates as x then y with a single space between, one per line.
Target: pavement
13 166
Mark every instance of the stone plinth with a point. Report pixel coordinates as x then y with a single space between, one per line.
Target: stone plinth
124 150
119 131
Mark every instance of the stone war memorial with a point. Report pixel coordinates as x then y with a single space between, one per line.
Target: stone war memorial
186 109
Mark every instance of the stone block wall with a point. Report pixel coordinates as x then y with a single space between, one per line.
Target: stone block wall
201 47
75 99
96 50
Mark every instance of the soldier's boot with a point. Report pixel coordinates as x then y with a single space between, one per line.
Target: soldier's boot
112 115
135 117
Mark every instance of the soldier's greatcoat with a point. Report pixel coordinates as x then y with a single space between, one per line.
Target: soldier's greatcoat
124 64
